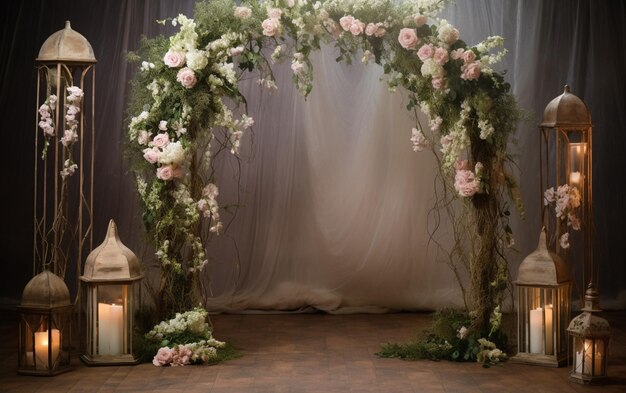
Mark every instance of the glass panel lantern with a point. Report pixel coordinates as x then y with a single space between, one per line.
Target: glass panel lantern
590 335
45 326
543 293
110 296
566 157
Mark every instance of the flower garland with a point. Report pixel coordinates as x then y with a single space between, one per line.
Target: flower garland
181 121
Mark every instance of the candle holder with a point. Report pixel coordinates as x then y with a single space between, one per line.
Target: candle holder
45 327
110 295
590 335
543 290
566 183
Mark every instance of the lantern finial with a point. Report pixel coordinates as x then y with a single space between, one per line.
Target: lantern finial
591 299
566 89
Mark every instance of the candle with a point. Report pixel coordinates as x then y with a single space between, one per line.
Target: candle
110 329
574 179
549 342
42 348
583 360
536 330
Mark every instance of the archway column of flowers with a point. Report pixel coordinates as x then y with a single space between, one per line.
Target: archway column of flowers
185 112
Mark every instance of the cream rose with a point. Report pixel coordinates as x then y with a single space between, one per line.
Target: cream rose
243 12
420 20
274 13
408 39
270 27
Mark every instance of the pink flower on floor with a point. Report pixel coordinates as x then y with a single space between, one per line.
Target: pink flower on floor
181 355
408 39
163 357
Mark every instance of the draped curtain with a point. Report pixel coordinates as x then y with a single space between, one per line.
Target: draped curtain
335 207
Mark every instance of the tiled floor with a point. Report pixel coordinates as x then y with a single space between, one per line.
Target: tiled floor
312 353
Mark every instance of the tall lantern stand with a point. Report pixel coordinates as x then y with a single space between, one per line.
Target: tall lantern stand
566 183
543 292
64 152
110 295
45 326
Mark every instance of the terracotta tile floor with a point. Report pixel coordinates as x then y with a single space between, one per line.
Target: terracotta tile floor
312 353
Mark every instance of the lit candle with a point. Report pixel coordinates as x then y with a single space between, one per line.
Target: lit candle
549 342
536 330
583 359
110 329
574 179
41 348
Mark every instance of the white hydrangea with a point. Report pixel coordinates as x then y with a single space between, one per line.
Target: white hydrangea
196 59
173 153
431 68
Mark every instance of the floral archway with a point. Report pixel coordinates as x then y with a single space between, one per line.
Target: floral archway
186 110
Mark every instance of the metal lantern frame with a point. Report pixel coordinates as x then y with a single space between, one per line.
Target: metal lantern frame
543 293
566 158
45 327
591 335
63 207
110 297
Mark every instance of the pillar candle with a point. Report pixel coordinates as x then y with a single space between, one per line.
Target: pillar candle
549 337
536 330
110 329
41 348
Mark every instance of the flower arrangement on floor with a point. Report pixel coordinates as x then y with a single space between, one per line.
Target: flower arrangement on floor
185 112
185 339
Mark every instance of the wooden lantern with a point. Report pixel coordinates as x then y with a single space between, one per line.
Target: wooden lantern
45 326
110 295
543 293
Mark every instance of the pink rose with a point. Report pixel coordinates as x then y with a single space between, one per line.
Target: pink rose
425 52
380 31
163 357
274 13
465 183
346 22
440 56
470 71
457 54
420 20
408 39
174 59
151 155
186 77
437 83
357 27
166 173
270 27
468 56
370 29
160 140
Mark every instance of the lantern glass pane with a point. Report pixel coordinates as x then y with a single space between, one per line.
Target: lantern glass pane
111 319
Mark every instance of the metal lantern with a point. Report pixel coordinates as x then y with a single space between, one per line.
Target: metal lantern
64 151
543 292
566 157
45 326
590 335
110 295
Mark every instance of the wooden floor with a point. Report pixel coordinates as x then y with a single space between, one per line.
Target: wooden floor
312 353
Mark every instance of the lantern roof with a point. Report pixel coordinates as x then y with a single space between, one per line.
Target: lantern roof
542 267
589 324
112 260
66 45
45 290
566 111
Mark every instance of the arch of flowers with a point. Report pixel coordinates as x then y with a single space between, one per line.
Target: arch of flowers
183 116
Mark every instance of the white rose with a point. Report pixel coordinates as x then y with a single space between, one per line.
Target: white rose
243 12
270 27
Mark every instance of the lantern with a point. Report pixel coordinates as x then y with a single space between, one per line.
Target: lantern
64 151
590 335
543 293
45 326
110 295
566 181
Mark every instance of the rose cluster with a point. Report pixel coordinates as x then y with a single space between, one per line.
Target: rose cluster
566 199
161 151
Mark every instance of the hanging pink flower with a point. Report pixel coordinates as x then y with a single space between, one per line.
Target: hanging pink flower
163 357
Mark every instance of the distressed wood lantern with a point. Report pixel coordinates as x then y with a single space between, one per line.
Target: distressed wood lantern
590 335
543 292
110 295
45 326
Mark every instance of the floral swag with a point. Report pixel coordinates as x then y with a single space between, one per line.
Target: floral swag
185 101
